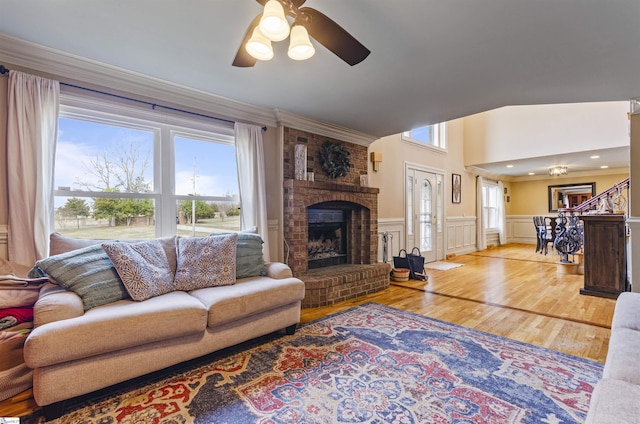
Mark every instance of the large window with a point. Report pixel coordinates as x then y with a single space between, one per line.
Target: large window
490 199
128 173
432 136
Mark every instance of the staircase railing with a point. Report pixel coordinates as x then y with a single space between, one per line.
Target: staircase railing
569 228
595 200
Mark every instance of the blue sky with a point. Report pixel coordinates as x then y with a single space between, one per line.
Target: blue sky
80 142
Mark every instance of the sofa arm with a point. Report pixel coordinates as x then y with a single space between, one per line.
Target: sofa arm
278 270
55 304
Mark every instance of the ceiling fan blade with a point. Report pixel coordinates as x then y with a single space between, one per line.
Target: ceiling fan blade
243 59
296 3
333 36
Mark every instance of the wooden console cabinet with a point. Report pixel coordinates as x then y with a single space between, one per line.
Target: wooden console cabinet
605 259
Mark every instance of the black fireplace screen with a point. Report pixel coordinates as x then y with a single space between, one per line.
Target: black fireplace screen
327 242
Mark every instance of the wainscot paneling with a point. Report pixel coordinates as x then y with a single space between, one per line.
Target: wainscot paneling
520 229
394 227
461 234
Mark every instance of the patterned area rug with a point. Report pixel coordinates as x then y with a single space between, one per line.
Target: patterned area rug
369 364
442 266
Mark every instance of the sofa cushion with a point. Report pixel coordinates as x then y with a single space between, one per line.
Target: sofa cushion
59 244
622 357
87 272
143 267
614 402
205 262
247 297
627 311
116 326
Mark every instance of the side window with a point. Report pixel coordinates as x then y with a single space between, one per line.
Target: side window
490 198
119 177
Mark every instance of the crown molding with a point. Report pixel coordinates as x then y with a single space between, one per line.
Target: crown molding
77 69
484 173
299 122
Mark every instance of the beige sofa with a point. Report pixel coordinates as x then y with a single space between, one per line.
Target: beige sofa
74 352
616 398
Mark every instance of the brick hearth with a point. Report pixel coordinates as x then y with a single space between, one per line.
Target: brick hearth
326 286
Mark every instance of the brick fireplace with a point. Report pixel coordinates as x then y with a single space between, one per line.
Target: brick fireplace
334 224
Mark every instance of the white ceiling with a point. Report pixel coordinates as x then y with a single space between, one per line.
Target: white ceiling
431 60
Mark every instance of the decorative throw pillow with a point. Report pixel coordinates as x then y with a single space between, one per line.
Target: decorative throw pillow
249 256
205 262
88 272
143 267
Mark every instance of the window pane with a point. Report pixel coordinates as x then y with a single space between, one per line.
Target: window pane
426 236
211 217
104 218
205 168
94 156
433 135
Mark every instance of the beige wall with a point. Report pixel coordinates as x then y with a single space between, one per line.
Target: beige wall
531 197
519 132
396 152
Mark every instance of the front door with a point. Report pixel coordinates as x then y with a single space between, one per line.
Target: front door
421 212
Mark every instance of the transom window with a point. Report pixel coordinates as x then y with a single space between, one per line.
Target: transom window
129 173
432 136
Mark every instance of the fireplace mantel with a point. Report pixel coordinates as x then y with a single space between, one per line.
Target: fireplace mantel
317 185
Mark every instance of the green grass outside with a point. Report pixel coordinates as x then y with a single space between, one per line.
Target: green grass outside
204 227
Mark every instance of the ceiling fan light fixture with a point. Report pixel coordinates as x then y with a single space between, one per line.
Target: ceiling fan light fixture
259 46
274 24
300 47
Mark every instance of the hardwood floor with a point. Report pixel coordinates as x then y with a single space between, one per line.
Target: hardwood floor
509 291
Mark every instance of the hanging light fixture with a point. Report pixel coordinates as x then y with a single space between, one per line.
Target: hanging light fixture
259 46
274 24
300 47
556 171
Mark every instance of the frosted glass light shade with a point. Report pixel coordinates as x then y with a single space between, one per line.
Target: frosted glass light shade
259 46
273 23
300 47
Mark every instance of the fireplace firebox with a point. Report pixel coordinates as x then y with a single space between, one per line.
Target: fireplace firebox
327 238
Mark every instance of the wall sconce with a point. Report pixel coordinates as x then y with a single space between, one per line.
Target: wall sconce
376 158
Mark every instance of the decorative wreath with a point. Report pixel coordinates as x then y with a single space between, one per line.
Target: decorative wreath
334 159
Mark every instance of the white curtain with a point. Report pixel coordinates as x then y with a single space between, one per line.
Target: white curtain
32 128
481 235
502 219
251 176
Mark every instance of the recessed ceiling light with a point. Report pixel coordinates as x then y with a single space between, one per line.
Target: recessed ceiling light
532 173
509 166
604 166
595 157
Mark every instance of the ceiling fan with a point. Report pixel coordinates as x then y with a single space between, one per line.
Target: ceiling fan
256 44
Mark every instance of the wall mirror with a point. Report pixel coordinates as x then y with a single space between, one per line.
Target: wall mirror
569 195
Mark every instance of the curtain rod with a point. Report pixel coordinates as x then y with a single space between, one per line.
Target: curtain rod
4 70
